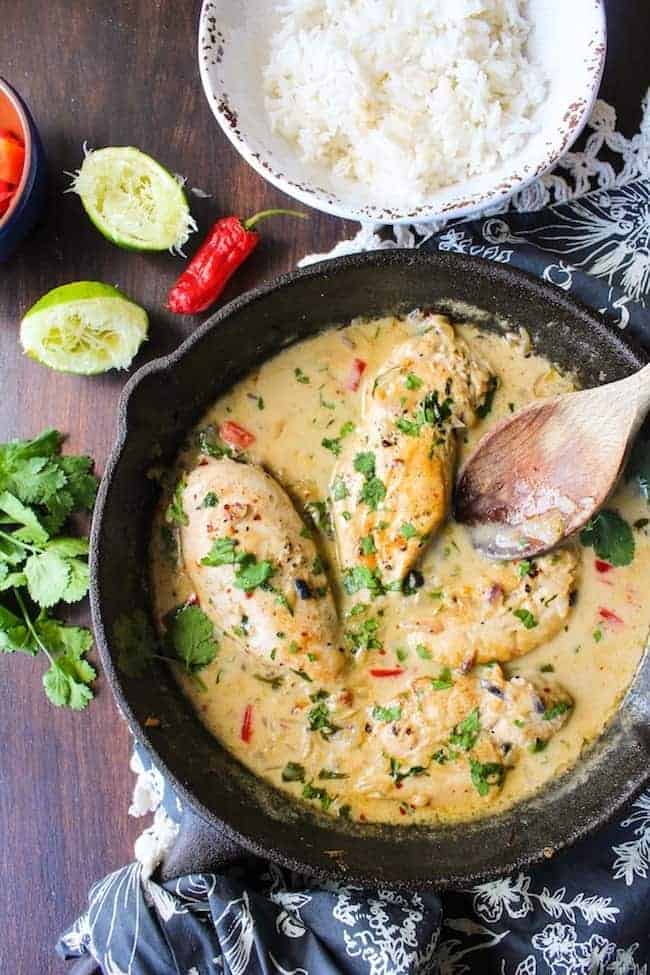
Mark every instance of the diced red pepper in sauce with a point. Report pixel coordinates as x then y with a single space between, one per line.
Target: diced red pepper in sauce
12 158
247 724
610 617
603 566
357 370
386 671
235 435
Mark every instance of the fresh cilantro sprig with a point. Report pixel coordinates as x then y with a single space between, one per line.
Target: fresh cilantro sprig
39 568
611 537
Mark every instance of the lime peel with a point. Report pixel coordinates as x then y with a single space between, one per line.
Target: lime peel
133 200
86 327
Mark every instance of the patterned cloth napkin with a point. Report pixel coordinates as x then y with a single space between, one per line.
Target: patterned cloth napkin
586 911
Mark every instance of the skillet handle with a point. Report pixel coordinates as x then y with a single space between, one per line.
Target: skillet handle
200 847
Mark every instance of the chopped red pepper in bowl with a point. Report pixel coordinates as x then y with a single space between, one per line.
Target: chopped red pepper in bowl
12 160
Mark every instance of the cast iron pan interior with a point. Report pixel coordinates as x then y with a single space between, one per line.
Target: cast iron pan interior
162 402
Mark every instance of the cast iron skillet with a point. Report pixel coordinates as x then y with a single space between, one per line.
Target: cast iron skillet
159 406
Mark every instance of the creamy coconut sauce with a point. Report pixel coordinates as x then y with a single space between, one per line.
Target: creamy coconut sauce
291 404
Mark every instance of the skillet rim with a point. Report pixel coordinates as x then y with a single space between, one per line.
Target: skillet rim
627 348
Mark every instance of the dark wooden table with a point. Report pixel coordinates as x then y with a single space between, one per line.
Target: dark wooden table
123 73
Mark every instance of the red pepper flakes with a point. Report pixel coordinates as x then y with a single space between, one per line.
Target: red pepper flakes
603 566
610 617
386 671
228 244
235 435
247 724
354 376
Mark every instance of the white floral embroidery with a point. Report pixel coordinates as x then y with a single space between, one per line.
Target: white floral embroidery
633 858
513 896
565 955
236 930
451 952
386 947
288 921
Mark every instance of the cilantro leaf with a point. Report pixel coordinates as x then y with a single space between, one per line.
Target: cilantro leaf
526 618
466 731
611 537
373 493
486 406
293 772
444 680
252 573
67 680
48 576
364 463
14 635
391 713
486 774
191 637
175 513
223 552
18 513
135 641
398 776
360 577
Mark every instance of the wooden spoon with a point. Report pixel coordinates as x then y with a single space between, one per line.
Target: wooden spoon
542 474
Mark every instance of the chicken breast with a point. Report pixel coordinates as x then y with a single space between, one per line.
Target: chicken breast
255 572
391 487
474 725
512 609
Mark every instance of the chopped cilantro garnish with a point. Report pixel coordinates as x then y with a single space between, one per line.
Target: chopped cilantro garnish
359 578
293 772
401 654
398 776
537 746
391 713
328 773
312 792
486 774
332 444
486 406
210 500
546 669
301 377
466 731
365 637
339 490
423 652
174 513
556 710
223 552
364 463
444 680
524 568
412 381
367 545
320 720
190 638
319 514
274 682
407 530
597 634
611 537
526 618
373 492
318 566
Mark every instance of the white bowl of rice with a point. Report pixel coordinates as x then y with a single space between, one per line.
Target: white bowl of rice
401 111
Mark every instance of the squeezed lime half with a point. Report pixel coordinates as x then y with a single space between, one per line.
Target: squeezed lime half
133 200
86 327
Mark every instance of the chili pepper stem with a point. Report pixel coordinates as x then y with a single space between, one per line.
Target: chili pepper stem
263 214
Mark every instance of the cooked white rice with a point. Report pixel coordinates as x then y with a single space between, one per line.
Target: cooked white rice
402 97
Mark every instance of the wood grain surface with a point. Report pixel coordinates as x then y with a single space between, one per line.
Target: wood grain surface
118 73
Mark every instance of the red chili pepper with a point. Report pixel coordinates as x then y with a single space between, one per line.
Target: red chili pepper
247 724
611 617
354 376
235 435
227 245
603 566
386 671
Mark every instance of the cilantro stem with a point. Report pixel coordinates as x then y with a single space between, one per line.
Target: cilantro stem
30 625
17 541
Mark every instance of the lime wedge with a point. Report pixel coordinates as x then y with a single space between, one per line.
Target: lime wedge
85 327
132 200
